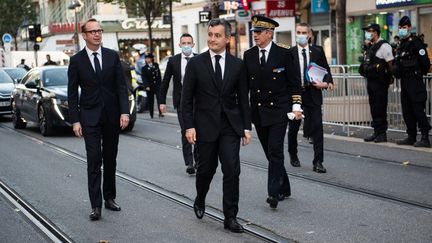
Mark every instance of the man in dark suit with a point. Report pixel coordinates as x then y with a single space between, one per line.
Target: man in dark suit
176 68
216 115
312 99
98 112
274 92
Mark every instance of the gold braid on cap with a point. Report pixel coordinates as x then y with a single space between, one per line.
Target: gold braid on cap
262 24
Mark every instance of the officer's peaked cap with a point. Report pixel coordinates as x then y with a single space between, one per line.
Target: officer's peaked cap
260 23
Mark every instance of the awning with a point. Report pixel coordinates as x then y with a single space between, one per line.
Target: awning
143 35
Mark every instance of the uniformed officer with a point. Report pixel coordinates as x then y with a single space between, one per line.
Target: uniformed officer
151 77
376 68
411 64
275 90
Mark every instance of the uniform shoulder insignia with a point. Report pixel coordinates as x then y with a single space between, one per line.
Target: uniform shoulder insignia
422 52
283 45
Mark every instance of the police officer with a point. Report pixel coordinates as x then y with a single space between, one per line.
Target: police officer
151 77
376 68
411 64
275 90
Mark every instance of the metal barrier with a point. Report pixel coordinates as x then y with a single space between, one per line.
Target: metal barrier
348 104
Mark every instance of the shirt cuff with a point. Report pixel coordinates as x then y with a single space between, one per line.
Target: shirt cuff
297 107
247 130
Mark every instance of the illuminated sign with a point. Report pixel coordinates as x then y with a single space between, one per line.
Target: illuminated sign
399 3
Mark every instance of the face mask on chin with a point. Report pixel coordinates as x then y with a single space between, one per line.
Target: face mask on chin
186 50
302 40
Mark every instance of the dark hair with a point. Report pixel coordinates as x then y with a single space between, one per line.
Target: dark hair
304 25
224 23
83 26
186 35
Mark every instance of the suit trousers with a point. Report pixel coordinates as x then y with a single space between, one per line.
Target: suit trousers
226 148
150 101
378 99
186 146
313 126
272 141
101 142
414 114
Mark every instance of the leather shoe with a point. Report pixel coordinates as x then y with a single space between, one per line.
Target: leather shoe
380 138
282 196
190 169
95 214
111 205
295 162
233 225
199 209
272 201
319 168
370 138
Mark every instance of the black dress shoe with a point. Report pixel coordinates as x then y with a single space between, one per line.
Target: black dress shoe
95 214
319 168
161 115
190 169
381 138
233 225
410 140
295 162
199 209
272 201
282 196
370 138
111 205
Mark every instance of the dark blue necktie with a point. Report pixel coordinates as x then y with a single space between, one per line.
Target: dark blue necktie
218 69
97 64
305 82
263 59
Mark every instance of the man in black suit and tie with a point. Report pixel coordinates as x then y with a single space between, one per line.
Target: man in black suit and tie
274 92
98 112
216 115
176 68
304 54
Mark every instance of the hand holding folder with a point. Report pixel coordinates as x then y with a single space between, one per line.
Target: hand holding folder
316 73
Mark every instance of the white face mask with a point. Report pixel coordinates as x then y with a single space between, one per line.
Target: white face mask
187 50
302 40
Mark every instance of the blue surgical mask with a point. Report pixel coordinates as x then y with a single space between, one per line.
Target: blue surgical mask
368 36
187 50
403 33
302 40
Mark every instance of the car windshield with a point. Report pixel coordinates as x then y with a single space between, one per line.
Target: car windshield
55 77
4 78
16 73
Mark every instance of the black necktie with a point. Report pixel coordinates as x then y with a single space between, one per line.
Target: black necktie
305 82
187 59
262 59
218 69
97 64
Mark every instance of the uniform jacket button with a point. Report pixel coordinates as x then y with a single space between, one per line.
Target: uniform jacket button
258 91
270 92
252 78
271 103
274 78
259 104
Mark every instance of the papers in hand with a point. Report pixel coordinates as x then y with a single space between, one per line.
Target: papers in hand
316 72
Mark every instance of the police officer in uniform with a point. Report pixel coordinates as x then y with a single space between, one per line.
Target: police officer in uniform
151 77
376 68
411 64
275 90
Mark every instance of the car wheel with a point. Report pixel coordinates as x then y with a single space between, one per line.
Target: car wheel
17 121
44 123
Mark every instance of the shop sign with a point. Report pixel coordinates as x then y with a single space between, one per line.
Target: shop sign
140 24
399 3
319 6
204 16
62 28
280 8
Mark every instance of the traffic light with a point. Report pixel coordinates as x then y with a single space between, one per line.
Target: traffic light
36 47
38 33
31 32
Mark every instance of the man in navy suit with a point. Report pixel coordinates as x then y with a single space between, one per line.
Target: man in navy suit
312 99
98 112
216 115
175 69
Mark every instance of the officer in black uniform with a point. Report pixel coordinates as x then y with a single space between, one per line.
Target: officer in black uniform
151 77
376 68
411 63
275 90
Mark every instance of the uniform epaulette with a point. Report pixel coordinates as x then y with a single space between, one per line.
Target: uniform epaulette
296 99
283 45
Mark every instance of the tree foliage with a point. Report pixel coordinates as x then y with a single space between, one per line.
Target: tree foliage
14 14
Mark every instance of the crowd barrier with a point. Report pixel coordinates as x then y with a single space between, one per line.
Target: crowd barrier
348 104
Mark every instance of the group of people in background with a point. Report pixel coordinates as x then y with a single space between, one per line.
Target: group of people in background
47 63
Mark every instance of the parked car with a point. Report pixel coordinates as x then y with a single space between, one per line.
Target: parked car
15 73
41 97
6 88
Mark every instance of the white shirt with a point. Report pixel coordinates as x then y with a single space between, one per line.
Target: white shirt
385 52
183 64
91 56
267 48
221 61
301 61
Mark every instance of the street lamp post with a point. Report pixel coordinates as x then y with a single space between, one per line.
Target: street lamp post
74 5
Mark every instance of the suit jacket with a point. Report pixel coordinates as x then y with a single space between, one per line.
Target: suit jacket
173 69
107 91
274 87
203 100
316 55
151 76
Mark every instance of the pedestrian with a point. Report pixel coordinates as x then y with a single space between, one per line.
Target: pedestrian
376 67
49 61
98 112
411 63
312 99
274 92
216 114
23 65
151 76
175 69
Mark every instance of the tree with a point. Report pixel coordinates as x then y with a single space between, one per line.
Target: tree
14 14
149 9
